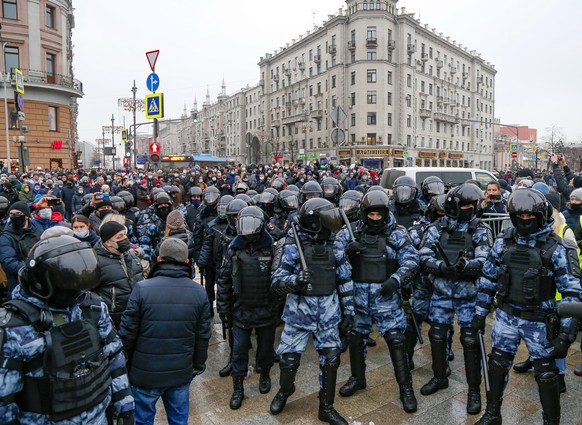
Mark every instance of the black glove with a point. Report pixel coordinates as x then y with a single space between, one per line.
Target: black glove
389 286
448 271
406 293
460 265
346 324
561 345
354 248
198 370
125 418
478 323
303 279
224 320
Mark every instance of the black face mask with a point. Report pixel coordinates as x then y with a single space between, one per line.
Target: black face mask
18 221
63 298
101 214
466 215
123 245
375 226
526 227
577 208
324 234
163 212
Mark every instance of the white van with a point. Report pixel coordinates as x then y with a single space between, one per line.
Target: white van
451 176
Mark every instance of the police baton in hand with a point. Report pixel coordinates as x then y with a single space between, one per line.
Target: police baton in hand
484 360
299 247
348 225
442 253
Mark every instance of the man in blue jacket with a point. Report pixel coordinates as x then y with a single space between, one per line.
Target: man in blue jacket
165 331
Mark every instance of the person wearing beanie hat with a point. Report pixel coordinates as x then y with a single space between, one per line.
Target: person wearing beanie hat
176 228
145 329
175 221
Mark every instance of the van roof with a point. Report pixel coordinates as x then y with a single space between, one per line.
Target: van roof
435 169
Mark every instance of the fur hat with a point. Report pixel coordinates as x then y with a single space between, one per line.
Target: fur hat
175 220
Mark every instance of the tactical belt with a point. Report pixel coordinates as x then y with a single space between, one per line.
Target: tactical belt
537 315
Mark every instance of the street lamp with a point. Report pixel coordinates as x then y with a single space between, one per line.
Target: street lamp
5 76
133 105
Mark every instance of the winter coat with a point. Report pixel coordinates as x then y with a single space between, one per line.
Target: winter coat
14 247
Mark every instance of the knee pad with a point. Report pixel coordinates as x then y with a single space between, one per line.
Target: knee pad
290 360
501 359
438 332
394 337
469 339
331 356
545 369
355 338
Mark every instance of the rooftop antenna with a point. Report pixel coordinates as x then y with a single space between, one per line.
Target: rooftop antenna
313 14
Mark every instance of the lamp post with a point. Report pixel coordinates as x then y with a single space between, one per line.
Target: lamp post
5 77
132 104
305 127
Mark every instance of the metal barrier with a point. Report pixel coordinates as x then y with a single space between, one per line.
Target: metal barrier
498 222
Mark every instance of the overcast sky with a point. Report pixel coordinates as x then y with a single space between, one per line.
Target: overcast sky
535 46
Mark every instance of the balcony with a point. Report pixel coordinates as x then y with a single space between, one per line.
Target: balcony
439 64
411 48
317 113
453 70
424 57
301 66
391 44
465 75
440 99
261 82
332 49
276 123
371 42
276 77
36 78
288 72
425 113
317 58
351 45
451 119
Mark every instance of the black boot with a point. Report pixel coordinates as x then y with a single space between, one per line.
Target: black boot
438 336
524 366
265 381
238 392
289 364
411 338
226 370
499 365
562 384
358 366
327 413
472 356
549 389
396 345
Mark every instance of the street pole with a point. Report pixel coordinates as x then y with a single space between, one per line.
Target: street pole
113 139
4 78
134 91
103 145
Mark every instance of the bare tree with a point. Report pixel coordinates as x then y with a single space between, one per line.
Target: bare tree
554 138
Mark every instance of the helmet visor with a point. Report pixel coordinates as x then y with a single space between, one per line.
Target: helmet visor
331 219
290 202
211 197
329 189
267 198
248 225
435 188
221 210
348 205
404 194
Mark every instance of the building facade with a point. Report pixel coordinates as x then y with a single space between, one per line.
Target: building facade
36 35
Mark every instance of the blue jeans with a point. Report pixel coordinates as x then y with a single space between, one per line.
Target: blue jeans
176 401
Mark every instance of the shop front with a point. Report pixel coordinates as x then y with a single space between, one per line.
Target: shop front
373 157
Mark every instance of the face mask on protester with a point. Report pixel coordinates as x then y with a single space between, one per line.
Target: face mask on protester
45 213
81 233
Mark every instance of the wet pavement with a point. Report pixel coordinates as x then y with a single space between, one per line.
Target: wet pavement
379 403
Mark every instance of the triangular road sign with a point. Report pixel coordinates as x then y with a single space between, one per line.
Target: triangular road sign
154 109
152 58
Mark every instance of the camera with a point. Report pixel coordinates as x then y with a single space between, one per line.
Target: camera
53 202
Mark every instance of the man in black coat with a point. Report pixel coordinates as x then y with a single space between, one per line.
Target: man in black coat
165 332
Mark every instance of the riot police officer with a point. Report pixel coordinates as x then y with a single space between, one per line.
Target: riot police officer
405 204
383 261
81 371
152 224
246 300
431 186
310 190
332 190
350 203
193 207
315 299
453 250
525 267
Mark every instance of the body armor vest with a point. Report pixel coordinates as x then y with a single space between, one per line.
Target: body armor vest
372 264
457 244
524 277
76 371
320 261
221 227
251 277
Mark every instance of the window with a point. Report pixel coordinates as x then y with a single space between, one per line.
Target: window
11 58
333 81
52 118
371 139
408 101
371 34
422 87
372 77
430 89
389 55
353 36
408 80
353 77
389 98
390 119
9 9
50 17
371 97
50 67
408 121
389 78
371 118
353 99
371 54
353 57
389 138
353 120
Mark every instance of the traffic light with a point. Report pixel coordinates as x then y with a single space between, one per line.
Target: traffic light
126 161
127 149
124 135
195 117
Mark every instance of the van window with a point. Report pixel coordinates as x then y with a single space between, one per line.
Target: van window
449 178
483 178
389 176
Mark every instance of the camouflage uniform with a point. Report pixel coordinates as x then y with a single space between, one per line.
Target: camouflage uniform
149 230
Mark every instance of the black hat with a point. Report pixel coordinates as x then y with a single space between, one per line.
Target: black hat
110 229
103 203
20 206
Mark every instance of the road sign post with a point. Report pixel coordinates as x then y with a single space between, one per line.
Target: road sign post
153 82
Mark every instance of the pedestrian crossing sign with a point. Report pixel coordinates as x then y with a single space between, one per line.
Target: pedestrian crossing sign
154 106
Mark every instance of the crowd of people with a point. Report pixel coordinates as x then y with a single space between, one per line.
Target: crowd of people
112 280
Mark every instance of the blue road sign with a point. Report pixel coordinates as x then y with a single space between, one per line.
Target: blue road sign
20 100
141 159
154 105
153 82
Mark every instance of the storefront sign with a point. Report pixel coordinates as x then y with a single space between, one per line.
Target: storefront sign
456 156
442 155
425 154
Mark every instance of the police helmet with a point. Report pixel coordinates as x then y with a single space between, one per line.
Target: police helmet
211 196
278 184
466 193
255 199
331 189
252 192
529 201
157 190
244 197
350 202
318 213
288 200
435 207
222 204
268 199
311 190
375 201
167 188
195 191
404 190
232 210
4 204
60 262
293 188
173 190
127 198
376 187
241 187
250 221
118 204
432 186
87 198
162 198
